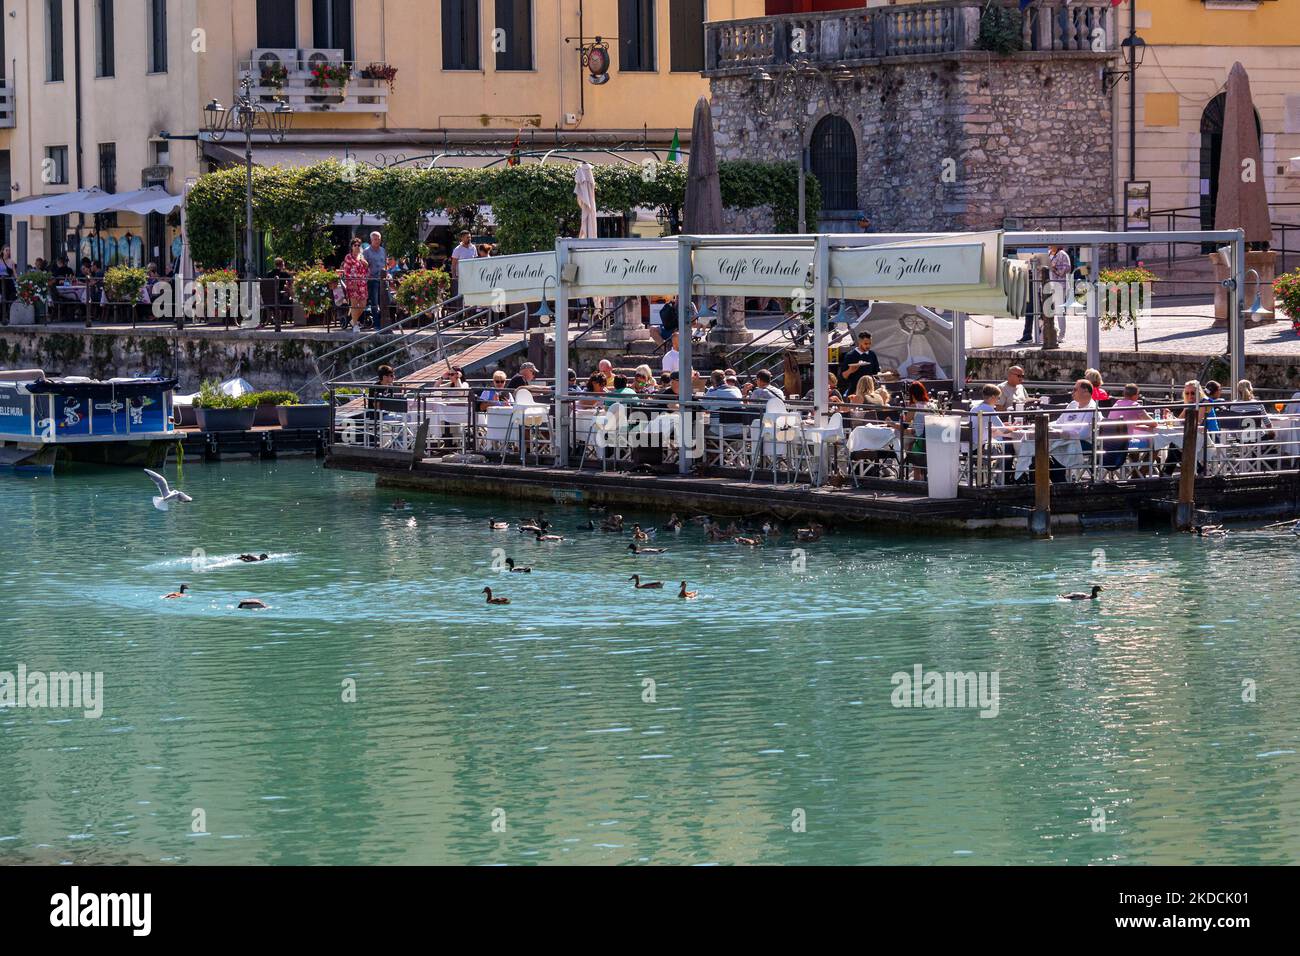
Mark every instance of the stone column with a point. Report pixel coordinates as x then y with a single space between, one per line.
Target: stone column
731 328
627 326
1265 263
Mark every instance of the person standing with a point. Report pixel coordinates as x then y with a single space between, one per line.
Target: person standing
1059 269
464 249
376 257
857 362
672 358
356 276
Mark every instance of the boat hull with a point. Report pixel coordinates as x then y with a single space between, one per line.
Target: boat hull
28 458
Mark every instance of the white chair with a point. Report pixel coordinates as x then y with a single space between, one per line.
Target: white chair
527 418
609 431
773 435
816 440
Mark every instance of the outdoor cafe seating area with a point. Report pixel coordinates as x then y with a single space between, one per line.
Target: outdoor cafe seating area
776 441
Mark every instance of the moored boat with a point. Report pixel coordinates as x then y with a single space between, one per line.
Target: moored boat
122 421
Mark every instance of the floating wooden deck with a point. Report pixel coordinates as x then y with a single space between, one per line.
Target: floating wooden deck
263 442
879 503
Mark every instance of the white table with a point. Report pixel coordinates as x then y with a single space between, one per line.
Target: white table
1066 449
873 438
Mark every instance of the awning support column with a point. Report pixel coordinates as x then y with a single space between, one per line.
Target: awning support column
821 358
561 355
685 323
1093 301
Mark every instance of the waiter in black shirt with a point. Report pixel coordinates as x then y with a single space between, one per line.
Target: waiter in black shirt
857 362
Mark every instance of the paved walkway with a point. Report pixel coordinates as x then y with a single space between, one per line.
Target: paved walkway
1181 328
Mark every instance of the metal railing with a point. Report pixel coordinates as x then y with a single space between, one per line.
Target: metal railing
297 87
881 33
780 442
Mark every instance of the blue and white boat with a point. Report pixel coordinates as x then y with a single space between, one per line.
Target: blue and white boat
122 421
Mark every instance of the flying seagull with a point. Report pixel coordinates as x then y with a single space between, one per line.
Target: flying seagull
165 493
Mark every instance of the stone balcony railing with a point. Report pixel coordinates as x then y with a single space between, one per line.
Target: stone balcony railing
882 33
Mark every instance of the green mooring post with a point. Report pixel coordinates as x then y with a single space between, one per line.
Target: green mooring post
1185 511
1040 519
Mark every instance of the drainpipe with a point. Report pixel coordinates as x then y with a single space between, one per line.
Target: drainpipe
76 75
1132 106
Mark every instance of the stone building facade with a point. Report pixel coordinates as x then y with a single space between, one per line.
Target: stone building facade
951 142
931 115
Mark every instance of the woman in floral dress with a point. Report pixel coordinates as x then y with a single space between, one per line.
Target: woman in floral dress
356 271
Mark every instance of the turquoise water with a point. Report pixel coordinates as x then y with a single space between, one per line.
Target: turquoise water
771 695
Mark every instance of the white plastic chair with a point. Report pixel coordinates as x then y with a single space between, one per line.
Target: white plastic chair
526 415
773 435
609 431
816 440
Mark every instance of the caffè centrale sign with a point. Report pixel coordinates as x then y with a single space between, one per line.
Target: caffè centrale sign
865 272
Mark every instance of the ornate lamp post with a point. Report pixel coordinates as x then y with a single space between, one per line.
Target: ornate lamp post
797 82
246 115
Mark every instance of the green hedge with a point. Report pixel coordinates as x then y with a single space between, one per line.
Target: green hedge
532 204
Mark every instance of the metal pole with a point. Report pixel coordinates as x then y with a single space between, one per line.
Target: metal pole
561 355
803 219
685 271
1094 310
958 353
821 357
246 122
1236 329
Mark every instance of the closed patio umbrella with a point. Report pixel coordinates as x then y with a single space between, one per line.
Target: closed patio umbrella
1242 201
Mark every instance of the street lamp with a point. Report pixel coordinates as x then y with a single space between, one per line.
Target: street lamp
798 82
246 115
1133 47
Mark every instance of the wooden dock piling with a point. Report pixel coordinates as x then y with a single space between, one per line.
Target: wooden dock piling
1040 519
1185 512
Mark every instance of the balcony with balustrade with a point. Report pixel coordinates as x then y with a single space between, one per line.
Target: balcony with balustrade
311 81
862 37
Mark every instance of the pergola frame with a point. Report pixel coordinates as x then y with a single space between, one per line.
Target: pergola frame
819 245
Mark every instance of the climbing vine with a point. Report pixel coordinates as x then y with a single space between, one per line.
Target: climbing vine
532 204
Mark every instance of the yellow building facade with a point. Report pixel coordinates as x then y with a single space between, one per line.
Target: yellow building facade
113 91
1191 46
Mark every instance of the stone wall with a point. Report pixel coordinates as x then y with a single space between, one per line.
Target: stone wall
268 360
1144 368
949 142
757 220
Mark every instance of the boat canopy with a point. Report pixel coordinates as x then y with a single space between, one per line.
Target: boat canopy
87 389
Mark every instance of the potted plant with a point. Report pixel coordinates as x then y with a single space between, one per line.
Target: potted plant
1126 294
313 291
123 284
275 75
422 289
1286 289
380 71
327 75
216 411
33 294
295 414
266 403
221 296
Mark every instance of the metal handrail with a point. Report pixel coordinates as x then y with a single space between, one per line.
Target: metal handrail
475 335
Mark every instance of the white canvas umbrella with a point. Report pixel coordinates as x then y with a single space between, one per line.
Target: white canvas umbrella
916 337
61 204
142 202
584 188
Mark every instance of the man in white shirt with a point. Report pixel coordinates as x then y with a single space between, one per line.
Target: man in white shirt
1059 270
672 358
1076 421
463 250
1012 391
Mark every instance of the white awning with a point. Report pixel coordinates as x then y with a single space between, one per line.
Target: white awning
60 204
143 201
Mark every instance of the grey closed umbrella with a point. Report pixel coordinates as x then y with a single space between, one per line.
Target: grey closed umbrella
703 213
1242 201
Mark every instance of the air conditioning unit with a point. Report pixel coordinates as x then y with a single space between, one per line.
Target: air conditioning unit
313 58
264 58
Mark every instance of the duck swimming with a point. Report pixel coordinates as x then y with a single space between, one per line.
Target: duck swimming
177 594
612 523
252 604
548 537
252 557
495 600
510 563
673 523
635 549
639 534
748 542
812 533
1082 596
498 525
686 595
1211 530
636 581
